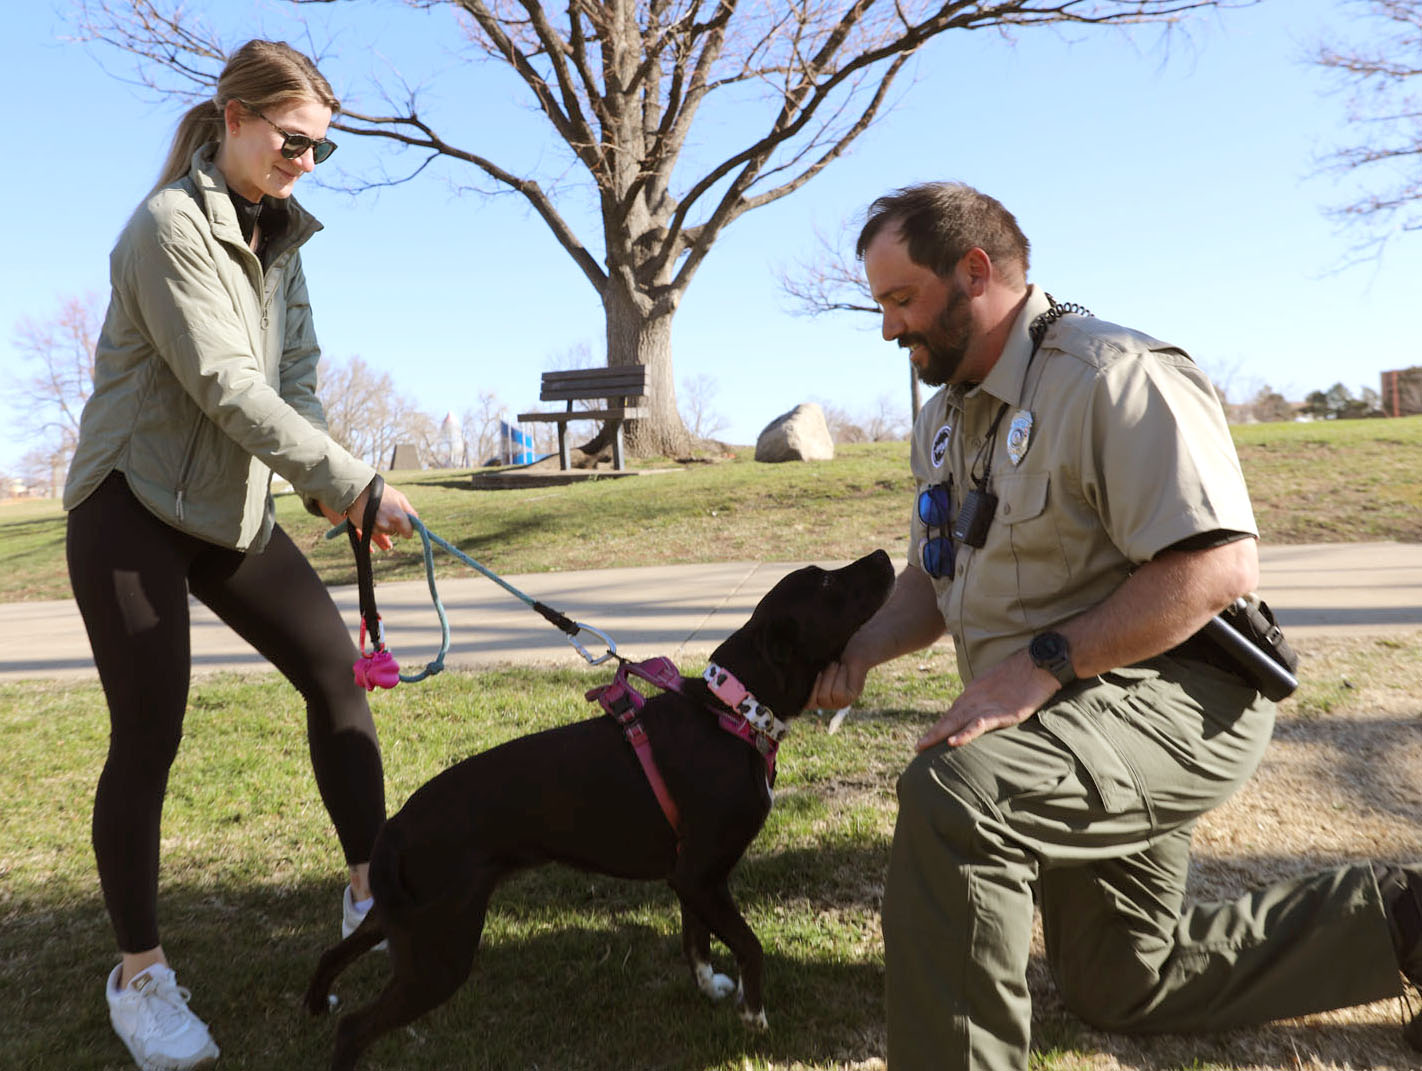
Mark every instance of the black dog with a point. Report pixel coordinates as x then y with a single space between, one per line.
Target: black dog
577 795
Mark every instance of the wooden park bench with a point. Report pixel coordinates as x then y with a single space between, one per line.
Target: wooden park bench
617 389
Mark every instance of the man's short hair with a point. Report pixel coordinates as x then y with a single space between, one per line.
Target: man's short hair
940 221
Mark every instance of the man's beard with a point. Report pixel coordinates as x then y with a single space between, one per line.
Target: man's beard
946 342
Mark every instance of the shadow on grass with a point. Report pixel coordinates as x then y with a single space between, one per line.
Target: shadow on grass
602 991
577 972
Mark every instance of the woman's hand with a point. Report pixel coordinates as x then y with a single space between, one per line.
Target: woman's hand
390 519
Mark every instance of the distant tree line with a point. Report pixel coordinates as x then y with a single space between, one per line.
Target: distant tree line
365 410
1267 405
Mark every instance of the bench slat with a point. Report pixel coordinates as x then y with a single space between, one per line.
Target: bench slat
630 412
596 375
575 395
630 382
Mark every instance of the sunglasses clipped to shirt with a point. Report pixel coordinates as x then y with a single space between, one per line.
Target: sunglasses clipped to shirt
935 509
293 145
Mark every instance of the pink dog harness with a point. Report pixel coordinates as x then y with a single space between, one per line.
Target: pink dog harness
748 718
624 703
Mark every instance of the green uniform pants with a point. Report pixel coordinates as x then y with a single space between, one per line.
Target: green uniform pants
1093 801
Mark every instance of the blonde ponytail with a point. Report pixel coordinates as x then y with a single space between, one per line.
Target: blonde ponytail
260 75
201 124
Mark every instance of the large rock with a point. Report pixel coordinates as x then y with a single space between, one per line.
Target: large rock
799 435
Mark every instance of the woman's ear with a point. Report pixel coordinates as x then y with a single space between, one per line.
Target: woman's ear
232 116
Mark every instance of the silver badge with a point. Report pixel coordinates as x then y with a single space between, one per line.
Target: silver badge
1019 435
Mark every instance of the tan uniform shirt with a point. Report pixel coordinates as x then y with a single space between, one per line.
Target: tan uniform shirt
1127 453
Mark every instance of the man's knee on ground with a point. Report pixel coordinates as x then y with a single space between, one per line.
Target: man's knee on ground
1106 992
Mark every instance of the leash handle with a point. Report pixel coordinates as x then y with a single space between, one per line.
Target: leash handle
365 575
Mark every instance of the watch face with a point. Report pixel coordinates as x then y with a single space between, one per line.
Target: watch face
1049 651
1047 646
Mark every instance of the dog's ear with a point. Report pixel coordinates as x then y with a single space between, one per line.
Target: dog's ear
780 641
779 644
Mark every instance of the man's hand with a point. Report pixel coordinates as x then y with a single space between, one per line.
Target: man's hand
908 621
1009 693
838 685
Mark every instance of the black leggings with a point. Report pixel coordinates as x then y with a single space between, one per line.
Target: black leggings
131 575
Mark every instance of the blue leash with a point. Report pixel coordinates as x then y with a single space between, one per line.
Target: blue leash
571 629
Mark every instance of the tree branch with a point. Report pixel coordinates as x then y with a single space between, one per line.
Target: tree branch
393 128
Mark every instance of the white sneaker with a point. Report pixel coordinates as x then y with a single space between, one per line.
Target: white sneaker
352 916
151 1016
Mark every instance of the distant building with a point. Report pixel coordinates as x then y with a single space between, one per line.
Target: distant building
449 444
1402 392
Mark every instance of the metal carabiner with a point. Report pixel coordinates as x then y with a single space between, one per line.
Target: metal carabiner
603 636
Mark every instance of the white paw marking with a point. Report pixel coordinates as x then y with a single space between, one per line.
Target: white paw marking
753 1020
716 986
756 1021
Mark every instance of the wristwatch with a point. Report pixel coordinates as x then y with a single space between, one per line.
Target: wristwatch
1049 650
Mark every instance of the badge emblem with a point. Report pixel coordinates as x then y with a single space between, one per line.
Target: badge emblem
940 445
1019 435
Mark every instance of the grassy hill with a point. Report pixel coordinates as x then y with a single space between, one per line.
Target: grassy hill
1311 483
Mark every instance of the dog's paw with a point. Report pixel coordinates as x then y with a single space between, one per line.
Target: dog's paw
713 985
754 1020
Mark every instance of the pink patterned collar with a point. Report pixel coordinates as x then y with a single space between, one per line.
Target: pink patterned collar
751 720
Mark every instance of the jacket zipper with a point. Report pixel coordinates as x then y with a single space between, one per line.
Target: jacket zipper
189 459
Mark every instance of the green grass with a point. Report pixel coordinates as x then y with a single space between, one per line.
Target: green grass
578 972
1324 482
1335 481
730 511
581 971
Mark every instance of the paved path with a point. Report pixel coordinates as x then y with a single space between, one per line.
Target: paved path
685 610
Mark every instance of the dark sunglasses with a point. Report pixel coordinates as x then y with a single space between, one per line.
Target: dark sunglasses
293 145
937 554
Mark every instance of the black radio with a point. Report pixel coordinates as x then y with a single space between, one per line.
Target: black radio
975 517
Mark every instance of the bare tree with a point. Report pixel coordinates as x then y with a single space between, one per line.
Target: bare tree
843 427
1382 78
483 429
48 404
368 416
1269 406
696 412
621 84
829 280
886 423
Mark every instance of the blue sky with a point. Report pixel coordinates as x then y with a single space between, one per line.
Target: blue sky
1174 188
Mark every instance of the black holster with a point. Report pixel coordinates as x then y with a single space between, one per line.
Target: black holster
1247 640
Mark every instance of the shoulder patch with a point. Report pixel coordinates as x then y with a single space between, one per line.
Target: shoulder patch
939 449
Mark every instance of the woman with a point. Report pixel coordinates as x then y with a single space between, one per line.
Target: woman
204 384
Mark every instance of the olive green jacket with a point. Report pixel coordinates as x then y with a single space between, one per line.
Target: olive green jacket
205 371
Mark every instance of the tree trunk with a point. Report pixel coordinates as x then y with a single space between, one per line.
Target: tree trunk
638 336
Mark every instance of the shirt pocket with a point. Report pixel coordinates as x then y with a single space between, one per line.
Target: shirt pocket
1034 564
